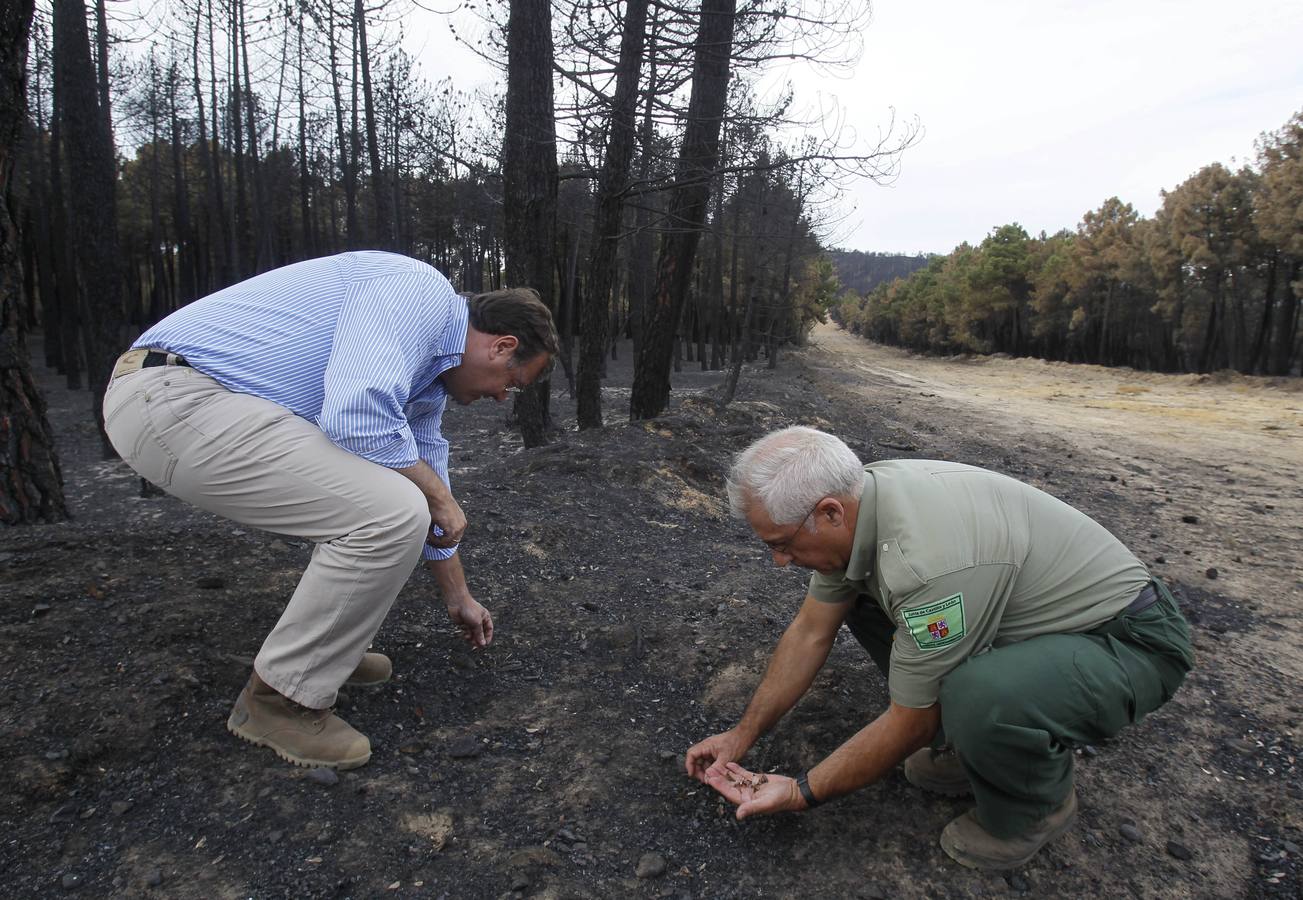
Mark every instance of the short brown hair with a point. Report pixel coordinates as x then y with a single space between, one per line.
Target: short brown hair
520 313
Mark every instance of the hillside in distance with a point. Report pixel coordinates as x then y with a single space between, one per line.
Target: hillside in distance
861 271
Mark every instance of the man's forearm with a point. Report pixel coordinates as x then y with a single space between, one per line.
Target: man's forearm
796 660
874 750
451 578
422 475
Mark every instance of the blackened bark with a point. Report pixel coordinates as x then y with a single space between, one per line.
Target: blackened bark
384 237
92 204
210 272
611 184
187 288
1287 321
345 167
305 176
31 484
697 159
263 256
529 182
1258 355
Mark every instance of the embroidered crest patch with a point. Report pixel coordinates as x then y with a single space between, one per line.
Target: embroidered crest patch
938 624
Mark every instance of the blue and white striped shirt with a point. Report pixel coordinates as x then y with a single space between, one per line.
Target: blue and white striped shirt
354 343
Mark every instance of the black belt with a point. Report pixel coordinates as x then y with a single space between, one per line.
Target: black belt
1147 597
161 358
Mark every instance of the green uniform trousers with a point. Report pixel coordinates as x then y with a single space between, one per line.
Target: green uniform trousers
1015 713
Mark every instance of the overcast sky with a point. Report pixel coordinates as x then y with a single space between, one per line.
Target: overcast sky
1035 112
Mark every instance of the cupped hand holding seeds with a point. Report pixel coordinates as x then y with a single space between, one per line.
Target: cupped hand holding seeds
754 793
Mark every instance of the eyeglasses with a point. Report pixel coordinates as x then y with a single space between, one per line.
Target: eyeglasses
781 546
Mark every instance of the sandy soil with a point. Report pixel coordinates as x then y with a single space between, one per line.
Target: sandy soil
633 619
1225 448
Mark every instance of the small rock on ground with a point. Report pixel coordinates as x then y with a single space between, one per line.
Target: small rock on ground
1179 851
323 776
1131 833
467 747
652 865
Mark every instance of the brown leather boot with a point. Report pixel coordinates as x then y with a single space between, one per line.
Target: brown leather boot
375 668
938 771
968 843
300 735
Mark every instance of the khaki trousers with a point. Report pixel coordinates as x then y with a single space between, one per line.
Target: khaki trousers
255 462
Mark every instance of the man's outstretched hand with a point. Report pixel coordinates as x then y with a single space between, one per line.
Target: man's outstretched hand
474 621
715 752
755 793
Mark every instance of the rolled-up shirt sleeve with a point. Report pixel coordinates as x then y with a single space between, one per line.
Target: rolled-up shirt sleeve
434 450
385 332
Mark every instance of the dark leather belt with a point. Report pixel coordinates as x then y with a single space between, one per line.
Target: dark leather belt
135 360
1147 597
162 358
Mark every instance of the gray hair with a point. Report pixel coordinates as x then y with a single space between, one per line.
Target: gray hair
791 470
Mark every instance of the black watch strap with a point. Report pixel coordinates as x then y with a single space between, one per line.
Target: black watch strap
803 785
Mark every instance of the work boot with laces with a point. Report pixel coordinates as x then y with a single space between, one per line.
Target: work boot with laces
299 734
968 843
375 668
938 770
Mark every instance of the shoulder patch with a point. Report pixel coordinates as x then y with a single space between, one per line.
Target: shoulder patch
938 624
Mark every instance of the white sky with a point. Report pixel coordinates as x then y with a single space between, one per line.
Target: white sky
1035 112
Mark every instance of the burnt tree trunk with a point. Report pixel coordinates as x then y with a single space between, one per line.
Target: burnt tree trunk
31 484
92 204
383 236
687 212
345 168
611 184
529 183
187 249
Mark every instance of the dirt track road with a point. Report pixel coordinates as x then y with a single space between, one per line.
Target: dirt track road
1225 449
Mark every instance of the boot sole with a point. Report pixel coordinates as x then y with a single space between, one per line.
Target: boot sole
978 862
341 764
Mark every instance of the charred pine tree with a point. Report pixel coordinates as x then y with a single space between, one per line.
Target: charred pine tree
305 175
611 185
346 171
262 256
687 210
383 236
187 282
91 199
31 483
529 182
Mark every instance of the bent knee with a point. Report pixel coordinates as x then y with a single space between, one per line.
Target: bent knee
970 706
411 525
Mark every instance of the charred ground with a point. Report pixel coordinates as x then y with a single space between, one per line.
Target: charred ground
633 618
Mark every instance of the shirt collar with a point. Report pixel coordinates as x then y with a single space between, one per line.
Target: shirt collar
450 349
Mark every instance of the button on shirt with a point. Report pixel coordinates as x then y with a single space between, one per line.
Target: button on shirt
354 343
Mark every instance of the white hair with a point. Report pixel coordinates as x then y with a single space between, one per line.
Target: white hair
791 470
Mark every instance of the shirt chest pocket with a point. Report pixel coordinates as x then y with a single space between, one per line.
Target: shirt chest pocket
895 574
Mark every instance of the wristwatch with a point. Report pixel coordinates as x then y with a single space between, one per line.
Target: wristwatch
803 785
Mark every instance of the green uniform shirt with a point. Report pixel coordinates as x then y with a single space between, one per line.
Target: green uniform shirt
963 559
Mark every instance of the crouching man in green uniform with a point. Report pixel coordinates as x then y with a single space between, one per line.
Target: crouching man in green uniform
1010 626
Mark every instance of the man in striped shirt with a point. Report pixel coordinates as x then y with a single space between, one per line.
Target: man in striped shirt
308 401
